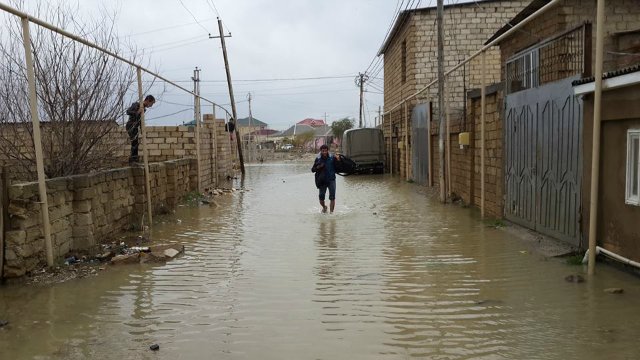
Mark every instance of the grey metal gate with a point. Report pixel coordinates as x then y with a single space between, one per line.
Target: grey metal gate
420 143
543 160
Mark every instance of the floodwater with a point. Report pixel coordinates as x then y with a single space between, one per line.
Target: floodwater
391 275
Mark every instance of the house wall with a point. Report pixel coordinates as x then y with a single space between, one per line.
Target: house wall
86 210
620 15
466 163
617 228
466 28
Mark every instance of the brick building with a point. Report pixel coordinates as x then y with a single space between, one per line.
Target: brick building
410 64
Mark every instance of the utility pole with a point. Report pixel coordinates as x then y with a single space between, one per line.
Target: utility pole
360 80
233 102
197 117
251 149
379 116
442 129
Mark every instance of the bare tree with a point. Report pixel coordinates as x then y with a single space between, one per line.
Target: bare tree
80 94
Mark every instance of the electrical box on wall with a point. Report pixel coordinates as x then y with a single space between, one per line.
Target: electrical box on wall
463 140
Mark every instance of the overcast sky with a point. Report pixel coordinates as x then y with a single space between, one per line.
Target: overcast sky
271 39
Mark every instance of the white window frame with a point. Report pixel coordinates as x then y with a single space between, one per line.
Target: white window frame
632 199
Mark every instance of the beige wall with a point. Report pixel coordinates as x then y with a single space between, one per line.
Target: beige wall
163 142
86 210
618 228
466 27
620 15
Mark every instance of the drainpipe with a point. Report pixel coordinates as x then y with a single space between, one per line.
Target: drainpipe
595 157
610 254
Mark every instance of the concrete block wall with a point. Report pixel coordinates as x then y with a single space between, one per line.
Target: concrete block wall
88 209
620 16
467 26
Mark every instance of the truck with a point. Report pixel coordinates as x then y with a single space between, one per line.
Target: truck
365 146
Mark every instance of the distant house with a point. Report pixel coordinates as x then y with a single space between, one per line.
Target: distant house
247 126
322 133
297 129
312 122
260 137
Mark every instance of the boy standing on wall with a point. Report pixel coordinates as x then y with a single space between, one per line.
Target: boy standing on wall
133 124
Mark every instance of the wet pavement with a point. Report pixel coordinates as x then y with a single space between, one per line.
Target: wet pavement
392 274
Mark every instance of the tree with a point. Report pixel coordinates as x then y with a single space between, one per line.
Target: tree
303 139
338 127
80 91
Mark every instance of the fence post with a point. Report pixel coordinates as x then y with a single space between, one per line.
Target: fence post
143 132
37 140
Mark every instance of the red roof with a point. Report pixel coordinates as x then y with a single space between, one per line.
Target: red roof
312 122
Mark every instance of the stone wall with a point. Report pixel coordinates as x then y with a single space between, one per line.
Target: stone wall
163 143
466 27
86 210
620 16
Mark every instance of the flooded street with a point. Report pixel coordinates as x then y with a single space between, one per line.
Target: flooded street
391 275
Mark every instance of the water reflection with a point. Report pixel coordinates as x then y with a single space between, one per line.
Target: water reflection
392 274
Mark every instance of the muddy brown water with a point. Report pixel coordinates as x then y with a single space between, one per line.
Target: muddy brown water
391 275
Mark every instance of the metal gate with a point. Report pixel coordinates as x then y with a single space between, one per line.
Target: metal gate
543 160
420 143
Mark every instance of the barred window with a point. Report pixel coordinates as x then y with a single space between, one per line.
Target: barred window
522 72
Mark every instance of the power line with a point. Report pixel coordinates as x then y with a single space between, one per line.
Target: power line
165 28
395 16
213 7
164 116
193 16
273 79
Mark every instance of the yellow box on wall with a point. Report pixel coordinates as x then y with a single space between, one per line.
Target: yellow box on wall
463 139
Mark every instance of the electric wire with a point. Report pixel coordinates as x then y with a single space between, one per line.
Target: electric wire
193 16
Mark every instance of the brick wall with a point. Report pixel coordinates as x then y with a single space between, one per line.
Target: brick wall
163 143
620 16
87 209
466 28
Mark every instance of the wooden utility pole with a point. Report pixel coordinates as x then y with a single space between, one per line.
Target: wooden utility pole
233 102
360 80
441 112
361 100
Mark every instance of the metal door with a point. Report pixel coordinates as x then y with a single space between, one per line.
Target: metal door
420 145
543 160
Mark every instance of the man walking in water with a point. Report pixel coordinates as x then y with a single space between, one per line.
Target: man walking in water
133 125
325 173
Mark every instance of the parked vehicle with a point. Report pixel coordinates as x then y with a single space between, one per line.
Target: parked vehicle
287 147
365 146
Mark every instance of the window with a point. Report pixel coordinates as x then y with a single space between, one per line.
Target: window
404 61
522 71
632 196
